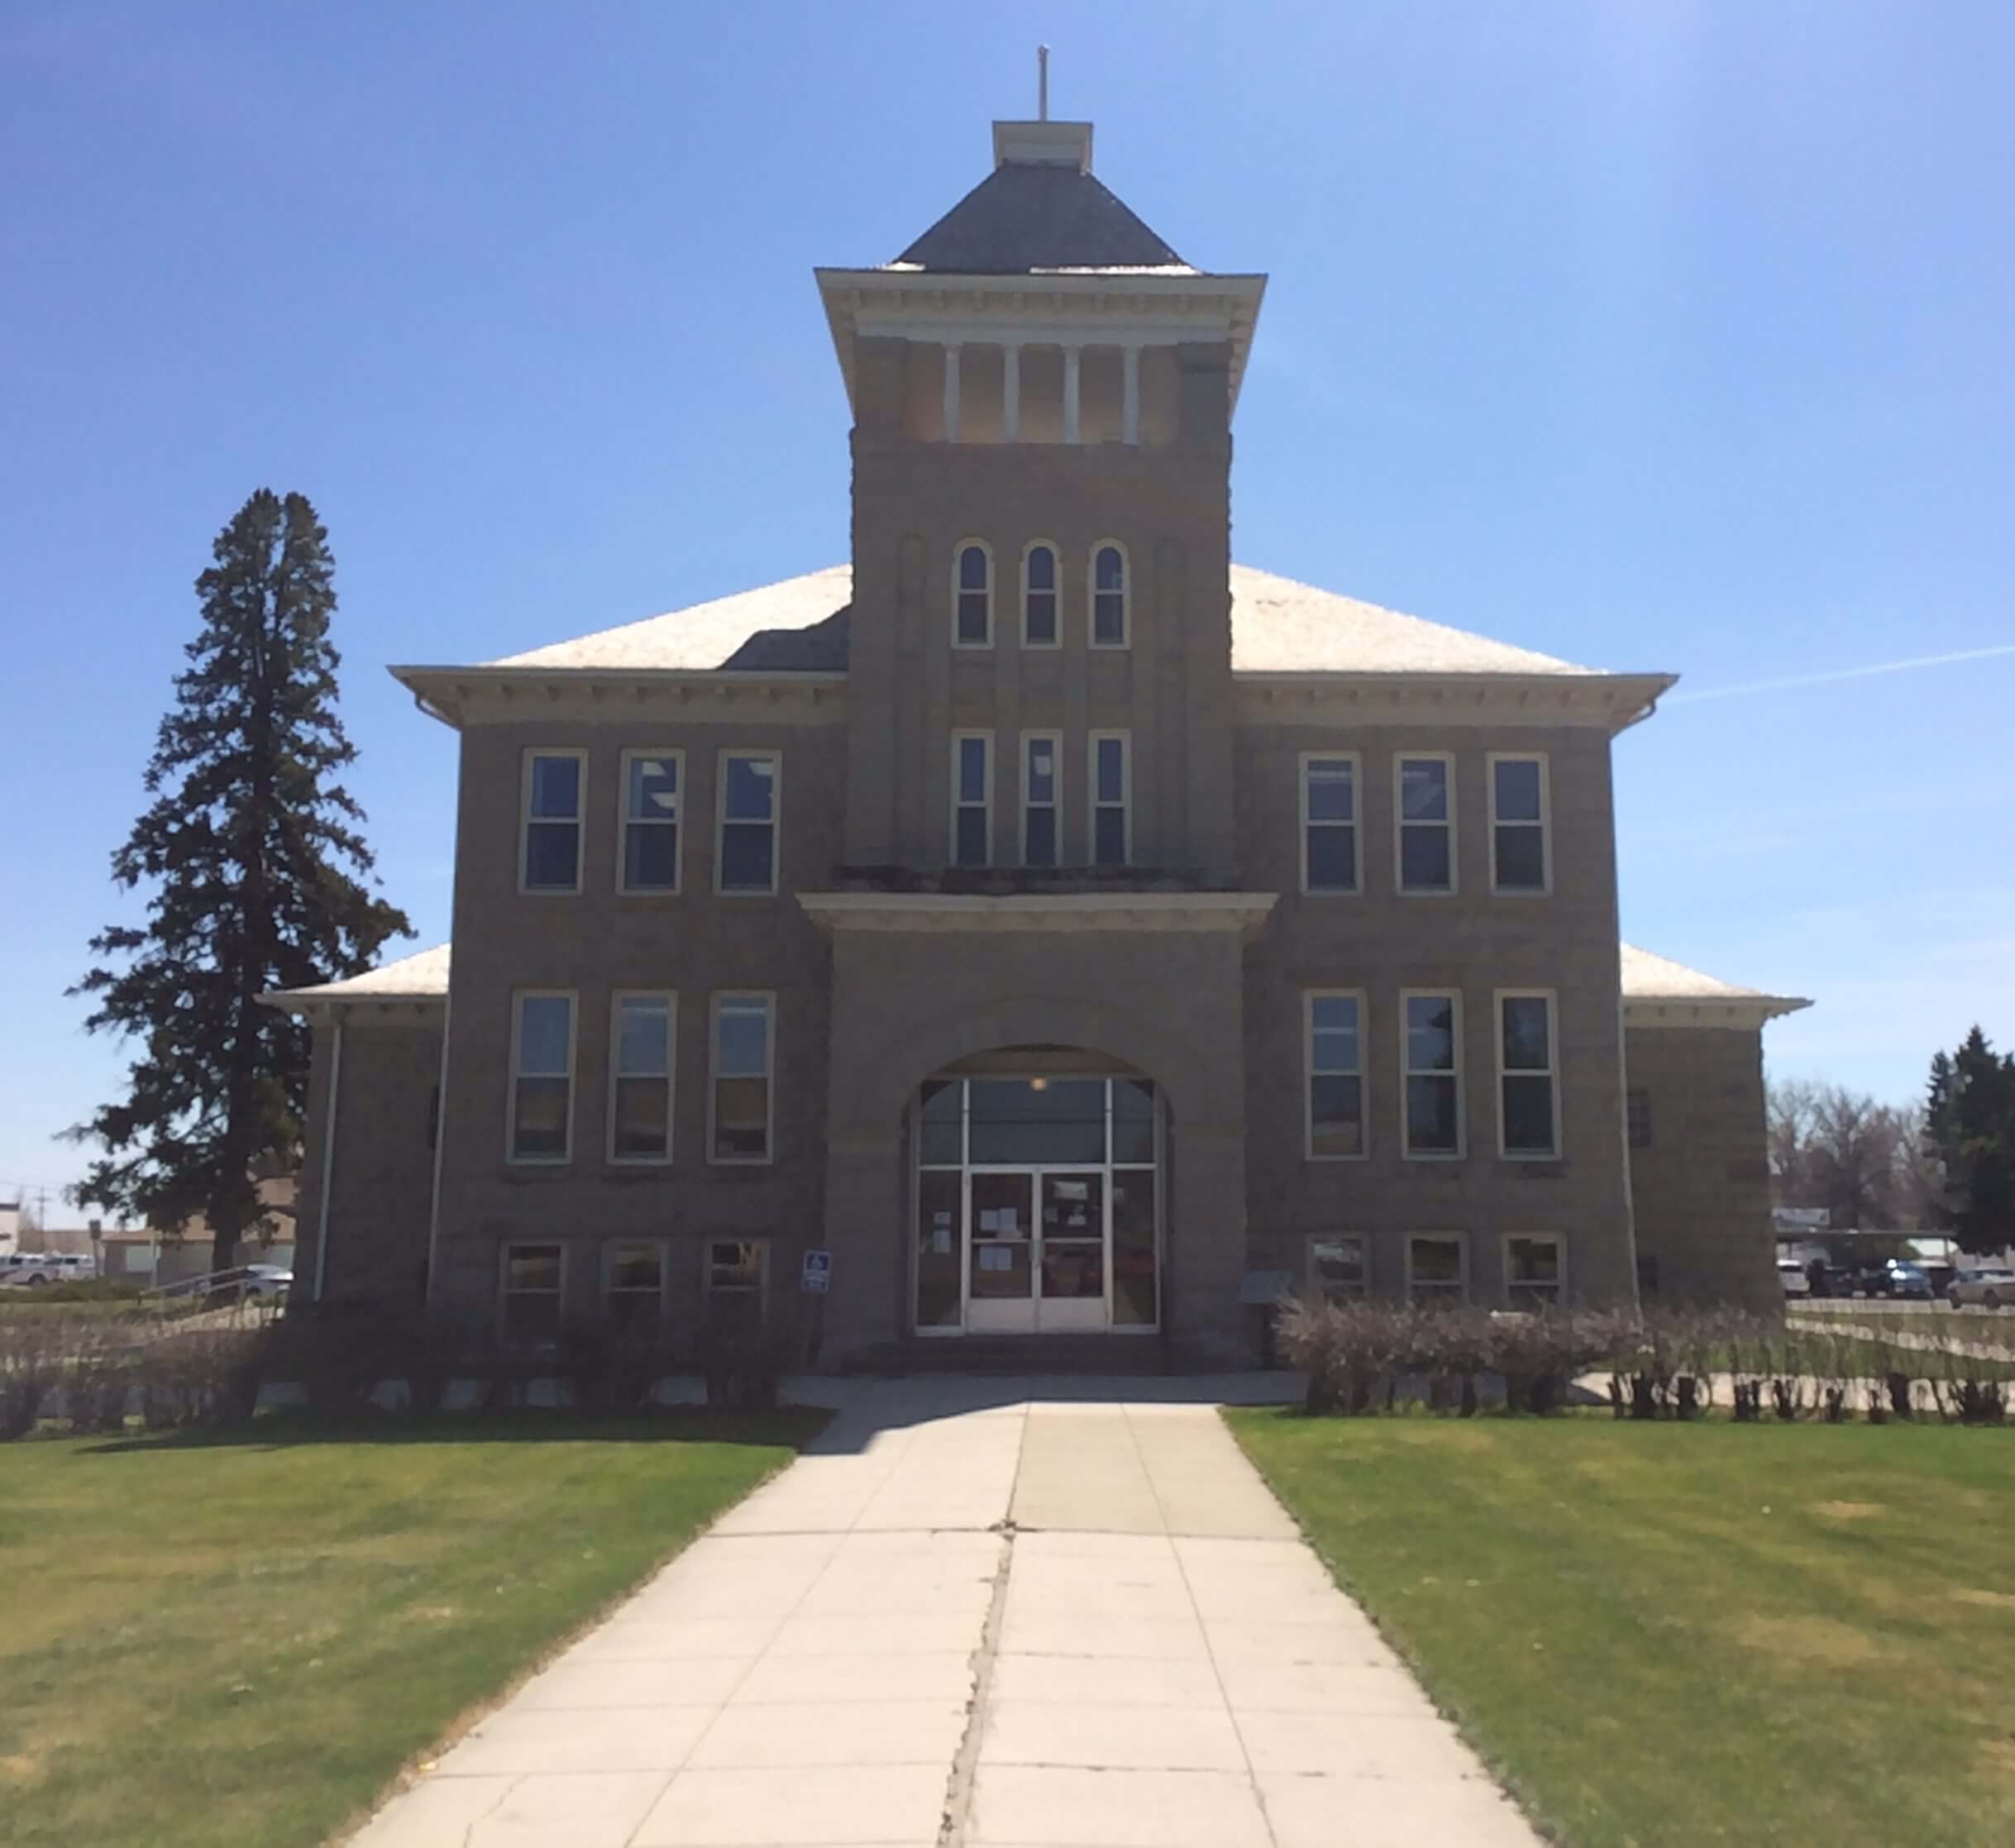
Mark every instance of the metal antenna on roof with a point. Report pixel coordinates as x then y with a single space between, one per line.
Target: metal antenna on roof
1042 83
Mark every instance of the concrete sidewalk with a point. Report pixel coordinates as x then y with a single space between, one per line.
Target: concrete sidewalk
980 1614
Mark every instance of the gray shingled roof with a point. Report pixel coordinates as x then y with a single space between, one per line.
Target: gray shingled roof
1025 218
414 977
1278 627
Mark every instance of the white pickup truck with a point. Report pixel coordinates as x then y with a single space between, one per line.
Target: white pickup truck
22 1269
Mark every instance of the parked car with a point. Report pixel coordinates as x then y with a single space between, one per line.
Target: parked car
28 1268
247 1283
1895 1278
1991 1289
1791 1275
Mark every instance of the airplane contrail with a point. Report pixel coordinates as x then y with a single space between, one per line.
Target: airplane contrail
1845 673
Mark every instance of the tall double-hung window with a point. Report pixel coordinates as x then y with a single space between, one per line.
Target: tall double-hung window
742 1111
1528 1075
1335 1053
650 851
1110 790
541 1100
1432 1102
745 857
1042 783
1423 796
641 1039
1520 859
973 802
549 849
1329 822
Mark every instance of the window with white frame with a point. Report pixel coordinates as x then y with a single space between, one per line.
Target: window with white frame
1338 1268
1335 1043
1329 822
737 1268
1528 1076
1038 597
1534 1270
649 858
972 801
1110 594
973 596
542 1107
1111 793
741 1109
634 1286
1041 781
641 1039
1424 798
528 1291
1432 1025
745 854
1519 856
1437 1266
549 855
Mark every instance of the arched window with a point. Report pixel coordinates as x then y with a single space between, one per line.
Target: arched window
1038 597
1110 623
972 597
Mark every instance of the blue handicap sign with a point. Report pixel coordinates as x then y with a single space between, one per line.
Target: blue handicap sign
817 1276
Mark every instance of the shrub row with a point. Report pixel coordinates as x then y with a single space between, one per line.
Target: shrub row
93 1374
1659 1362
96 1373
342 1356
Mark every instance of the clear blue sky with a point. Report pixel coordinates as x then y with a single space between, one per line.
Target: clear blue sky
1653 334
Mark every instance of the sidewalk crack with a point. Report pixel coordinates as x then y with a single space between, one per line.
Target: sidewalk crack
504 1796
966 1760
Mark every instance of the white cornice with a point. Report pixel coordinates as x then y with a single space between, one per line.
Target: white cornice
1750 1012
1610 701
1039 911
1093 307
378 1009
460 696
482 695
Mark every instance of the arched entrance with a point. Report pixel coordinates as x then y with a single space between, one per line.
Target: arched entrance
1037 1186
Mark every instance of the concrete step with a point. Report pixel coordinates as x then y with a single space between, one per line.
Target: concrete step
1130 1355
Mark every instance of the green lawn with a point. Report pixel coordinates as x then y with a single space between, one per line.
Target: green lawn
1665 1635
236 1641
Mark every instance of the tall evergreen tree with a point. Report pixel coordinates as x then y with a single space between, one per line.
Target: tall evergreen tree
1969 1114
247 847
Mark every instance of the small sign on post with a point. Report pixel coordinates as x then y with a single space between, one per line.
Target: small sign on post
814 1280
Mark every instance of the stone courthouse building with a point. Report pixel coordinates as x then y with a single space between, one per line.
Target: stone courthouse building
1074 933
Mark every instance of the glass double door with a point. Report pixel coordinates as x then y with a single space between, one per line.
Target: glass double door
1038 1250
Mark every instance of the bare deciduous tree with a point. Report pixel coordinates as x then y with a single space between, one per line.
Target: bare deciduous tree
1869 1164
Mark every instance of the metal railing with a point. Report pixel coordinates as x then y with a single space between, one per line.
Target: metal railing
239 1284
